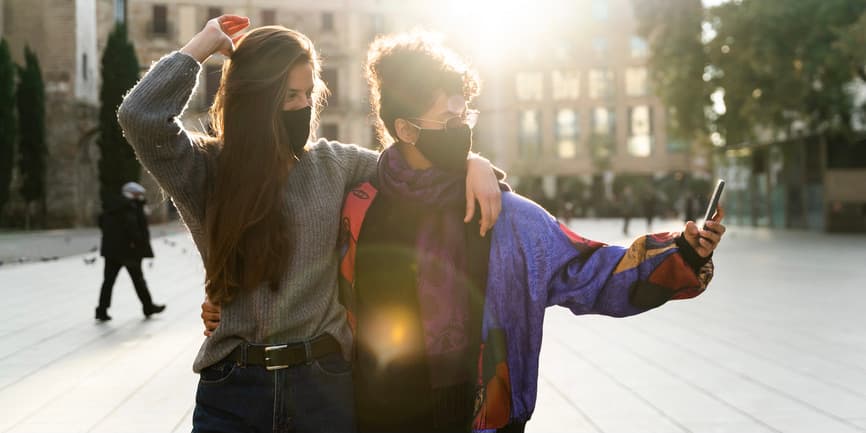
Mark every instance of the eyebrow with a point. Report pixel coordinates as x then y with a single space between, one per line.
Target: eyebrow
299 90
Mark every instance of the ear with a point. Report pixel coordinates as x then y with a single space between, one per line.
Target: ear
405 131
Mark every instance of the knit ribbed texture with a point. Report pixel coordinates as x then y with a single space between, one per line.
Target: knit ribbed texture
306 304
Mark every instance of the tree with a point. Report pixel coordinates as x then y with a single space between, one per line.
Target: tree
677 61
31 122
117 164
849 45
779 64
8 128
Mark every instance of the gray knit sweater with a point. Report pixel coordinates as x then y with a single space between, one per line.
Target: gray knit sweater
306 304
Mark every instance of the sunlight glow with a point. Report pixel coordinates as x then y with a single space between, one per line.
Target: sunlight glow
494 27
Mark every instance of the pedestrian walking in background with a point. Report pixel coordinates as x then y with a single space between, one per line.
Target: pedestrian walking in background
649 208
125 242
628 208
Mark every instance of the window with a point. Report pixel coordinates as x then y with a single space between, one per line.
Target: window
567 133
599 46
603 132
329 76
269 17
120 11
599 10
160 20
327 21
213 74
600 83
84 66
329 131
603 121
529 133
639 48
640 131
636 81
565 85
530 86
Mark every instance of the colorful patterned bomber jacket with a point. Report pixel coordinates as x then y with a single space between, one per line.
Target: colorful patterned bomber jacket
536 262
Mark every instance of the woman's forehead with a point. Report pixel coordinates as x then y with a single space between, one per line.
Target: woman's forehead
301 77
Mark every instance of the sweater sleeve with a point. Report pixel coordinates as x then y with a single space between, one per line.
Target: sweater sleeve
149 117
357 163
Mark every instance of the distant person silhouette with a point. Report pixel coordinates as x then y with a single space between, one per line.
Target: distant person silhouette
628 208
125 242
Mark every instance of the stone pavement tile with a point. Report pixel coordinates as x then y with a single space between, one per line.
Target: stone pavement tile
860 422
677 398
808 361
810 423
185 424
775 375
688 404
167 396
733 397
589 388
82 373
45 426
727 427
629 423
559 414
733 388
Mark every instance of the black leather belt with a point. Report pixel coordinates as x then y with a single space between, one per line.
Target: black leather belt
275 357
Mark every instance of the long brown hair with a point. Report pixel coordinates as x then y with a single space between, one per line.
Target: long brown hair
245 220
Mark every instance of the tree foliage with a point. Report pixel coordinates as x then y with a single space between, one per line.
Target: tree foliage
117 164
31 126
780 64
8 127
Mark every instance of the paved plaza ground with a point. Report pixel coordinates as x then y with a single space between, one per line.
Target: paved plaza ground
777 344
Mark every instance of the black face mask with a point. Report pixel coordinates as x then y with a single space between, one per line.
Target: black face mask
297 124
446 149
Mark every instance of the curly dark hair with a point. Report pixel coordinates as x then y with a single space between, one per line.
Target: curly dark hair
405 71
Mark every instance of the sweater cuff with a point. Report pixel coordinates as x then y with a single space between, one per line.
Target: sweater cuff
179 52
695 261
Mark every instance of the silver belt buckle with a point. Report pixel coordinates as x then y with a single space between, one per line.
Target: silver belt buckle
269 349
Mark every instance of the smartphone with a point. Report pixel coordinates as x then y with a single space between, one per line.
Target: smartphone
714 202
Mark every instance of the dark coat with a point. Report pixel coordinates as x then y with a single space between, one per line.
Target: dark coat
124 231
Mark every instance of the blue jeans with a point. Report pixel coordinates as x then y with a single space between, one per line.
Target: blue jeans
313 397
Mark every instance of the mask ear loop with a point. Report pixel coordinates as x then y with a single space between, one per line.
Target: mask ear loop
419 131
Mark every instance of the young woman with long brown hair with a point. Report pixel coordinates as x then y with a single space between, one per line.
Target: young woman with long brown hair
262 204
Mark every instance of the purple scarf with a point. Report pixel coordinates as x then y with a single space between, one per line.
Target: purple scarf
443 285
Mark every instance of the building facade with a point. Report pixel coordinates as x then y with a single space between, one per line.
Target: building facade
67 37
574 118
340 29
568 113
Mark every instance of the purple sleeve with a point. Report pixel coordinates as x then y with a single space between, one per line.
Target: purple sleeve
535 262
